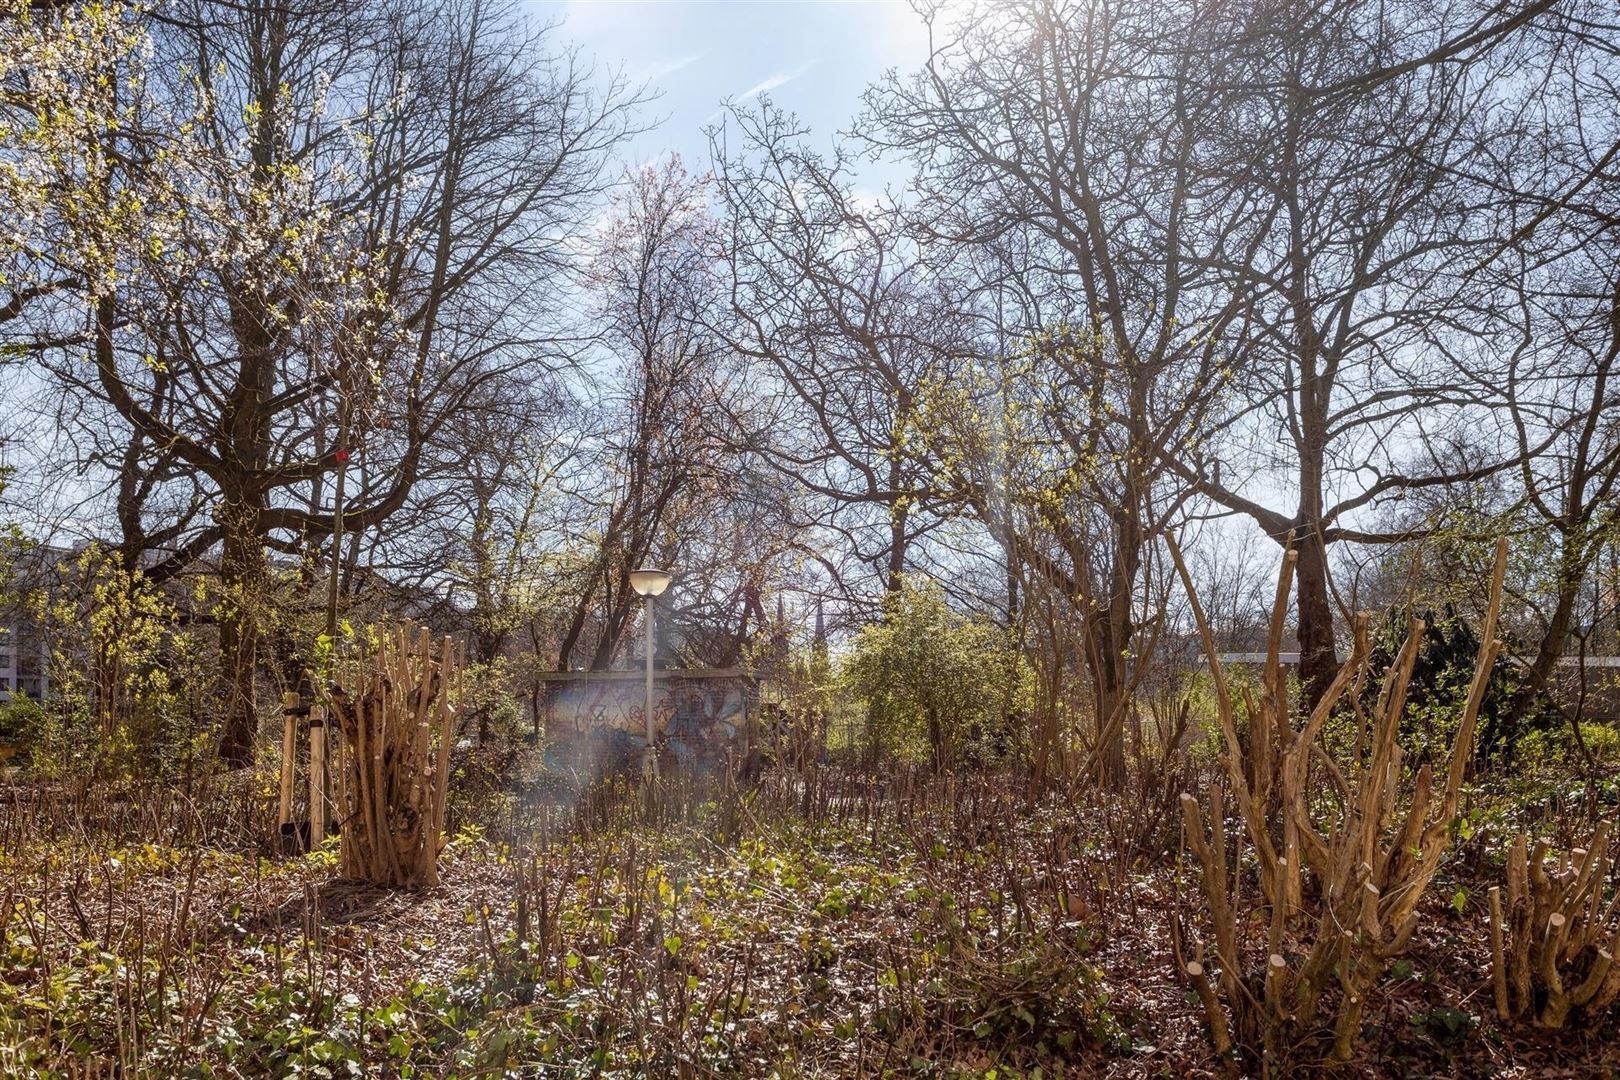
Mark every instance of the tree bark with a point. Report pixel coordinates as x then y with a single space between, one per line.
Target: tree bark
1111 637
241 575
1318 656
1107 695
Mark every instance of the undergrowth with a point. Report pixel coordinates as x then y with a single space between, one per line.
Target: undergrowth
728 936
817 925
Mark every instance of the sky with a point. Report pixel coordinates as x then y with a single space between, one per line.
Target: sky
812 57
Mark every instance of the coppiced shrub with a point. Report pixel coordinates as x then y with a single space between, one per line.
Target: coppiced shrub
396 707
1553 949
1370 831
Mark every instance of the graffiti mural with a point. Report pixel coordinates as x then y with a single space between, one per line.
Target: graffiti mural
597 721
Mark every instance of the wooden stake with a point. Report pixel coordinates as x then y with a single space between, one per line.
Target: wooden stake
317 777
290 703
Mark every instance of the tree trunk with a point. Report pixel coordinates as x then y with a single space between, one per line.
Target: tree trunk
1551 647
1571 573
242 577
894 572
1318 656
1110 636
1108 677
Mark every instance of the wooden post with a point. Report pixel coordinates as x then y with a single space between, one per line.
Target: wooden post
317 777
340 775
290 703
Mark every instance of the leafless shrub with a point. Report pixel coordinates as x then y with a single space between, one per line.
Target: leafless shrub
1371 834
1554 957
397 717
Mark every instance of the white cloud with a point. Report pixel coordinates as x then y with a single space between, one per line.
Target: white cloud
764 86
665 67
781 78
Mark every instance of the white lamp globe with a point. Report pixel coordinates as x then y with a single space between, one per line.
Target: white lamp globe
649 582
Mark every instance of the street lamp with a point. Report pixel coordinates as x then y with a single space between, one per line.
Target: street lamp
650 584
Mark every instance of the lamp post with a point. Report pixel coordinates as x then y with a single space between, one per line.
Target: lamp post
650 584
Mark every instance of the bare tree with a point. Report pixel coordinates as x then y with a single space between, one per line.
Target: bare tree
843 332
660 470
1562 278
1062 155
375 202
1354 132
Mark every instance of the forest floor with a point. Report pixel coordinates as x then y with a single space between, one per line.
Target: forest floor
949 930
